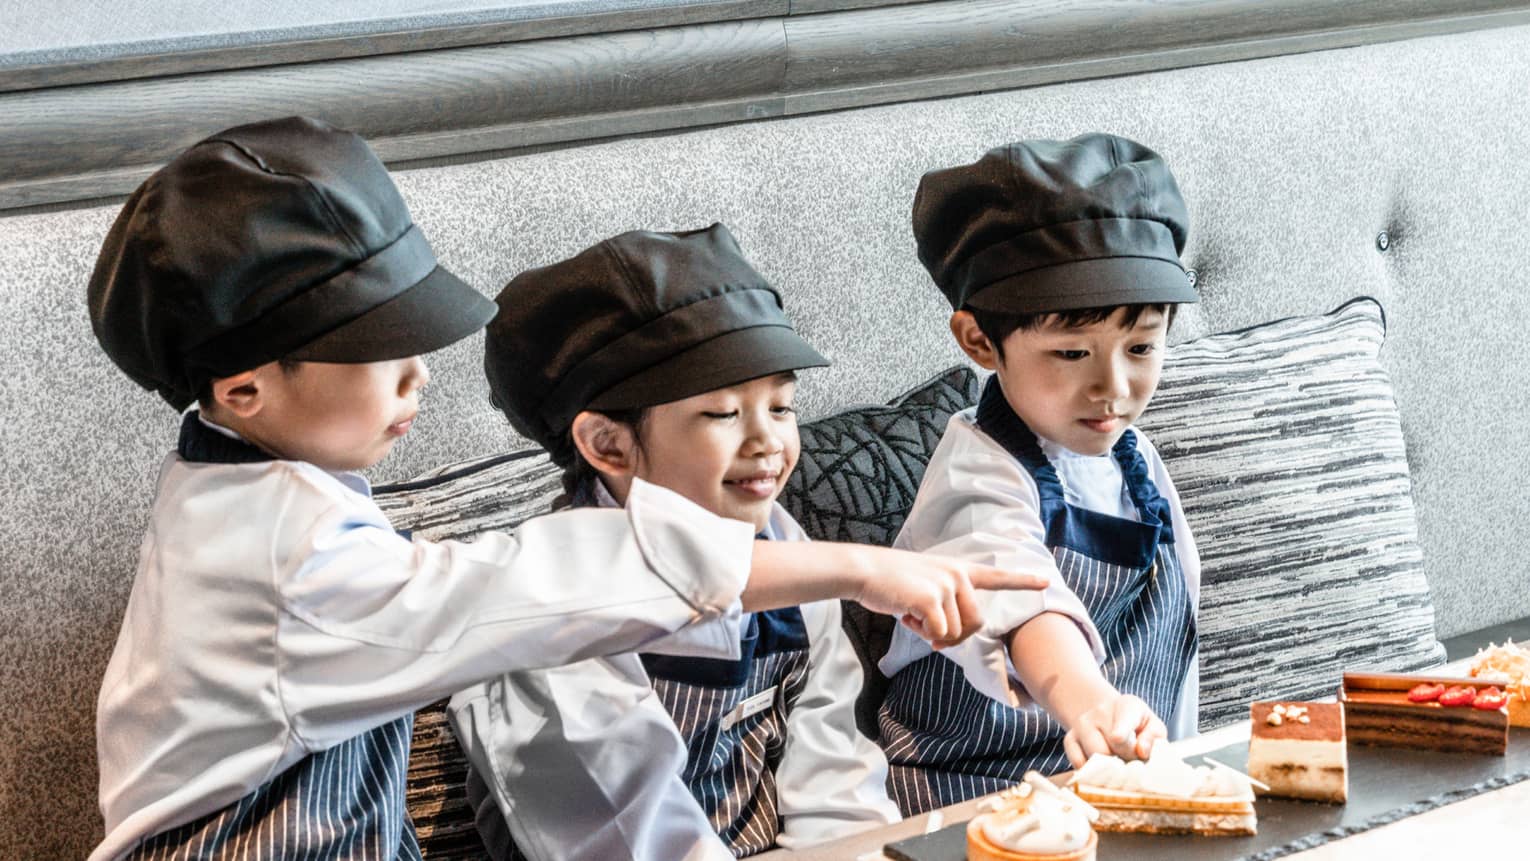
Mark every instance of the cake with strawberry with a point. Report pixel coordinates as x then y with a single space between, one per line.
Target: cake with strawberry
1459 715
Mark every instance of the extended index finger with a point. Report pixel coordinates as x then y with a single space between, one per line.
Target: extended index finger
988 577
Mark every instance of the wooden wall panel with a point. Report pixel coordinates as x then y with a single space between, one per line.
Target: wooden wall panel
416 105
423 33
72 142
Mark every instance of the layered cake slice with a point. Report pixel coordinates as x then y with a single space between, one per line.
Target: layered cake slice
1425 712
1165 795
1297 750
1034 821
1509 666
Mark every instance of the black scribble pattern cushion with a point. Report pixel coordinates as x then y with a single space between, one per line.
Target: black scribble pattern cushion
860 468
856 480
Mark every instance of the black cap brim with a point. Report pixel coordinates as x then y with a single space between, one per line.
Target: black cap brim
731 358
436 312
1098 283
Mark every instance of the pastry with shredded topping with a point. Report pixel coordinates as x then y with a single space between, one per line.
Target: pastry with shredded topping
1509 665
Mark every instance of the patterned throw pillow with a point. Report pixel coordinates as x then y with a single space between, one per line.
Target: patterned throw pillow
856 481
861 467
1285 444
459 501
473 497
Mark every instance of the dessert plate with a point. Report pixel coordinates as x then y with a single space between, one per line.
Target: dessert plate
1385 784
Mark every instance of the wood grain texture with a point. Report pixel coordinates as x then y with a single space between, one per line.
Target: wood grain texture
88 129
188 55
889 44
99 139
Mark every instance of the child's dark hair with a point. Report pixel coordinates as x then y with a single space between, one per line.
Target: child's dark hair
577 472
999 325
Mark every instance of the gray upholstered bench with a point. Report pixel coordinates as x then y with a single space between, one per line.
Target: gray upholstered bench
1389 170
1287 448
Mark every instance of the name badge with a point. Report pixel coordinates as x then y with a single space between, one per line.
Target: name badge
752 706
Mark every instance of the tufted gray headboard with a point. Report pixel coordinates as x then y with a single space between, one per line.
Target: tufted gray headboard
1292 168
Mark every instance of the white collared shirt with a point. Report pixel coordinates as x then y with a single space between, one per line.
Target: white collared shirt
584 761
276 613
977 502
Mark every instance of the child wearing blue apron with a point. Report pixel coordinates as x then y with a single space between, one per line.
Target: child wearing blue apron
684 751
1060 260
279 633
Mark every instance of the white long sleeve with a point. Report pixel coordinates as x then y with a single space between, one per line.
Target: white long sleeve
276 613
832 781
583 761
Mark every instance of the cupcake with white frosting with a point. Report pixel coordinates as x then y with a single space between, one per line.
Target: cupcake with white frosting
1035 821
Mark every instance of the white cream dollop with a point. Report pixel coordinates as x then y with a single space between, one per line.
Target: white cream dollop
1162 774
1042 824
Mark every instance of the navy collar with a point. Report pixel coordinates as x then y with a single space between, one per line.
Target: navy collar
1100 536
201 444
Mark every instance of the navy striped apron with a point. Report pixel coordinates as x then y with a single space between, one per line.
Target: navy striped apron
732 715
342 803
945 741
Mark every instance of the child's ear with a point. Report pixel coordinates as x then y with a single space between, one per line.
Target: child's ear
974 343
239 394
607 445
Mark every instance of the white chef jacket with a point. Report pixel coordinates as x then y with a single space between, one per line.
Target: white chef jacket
583 760
276 613
977 502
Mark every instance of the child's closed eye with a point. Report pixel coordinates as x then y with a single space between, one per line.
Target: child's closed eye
731 414
784 410
1070 355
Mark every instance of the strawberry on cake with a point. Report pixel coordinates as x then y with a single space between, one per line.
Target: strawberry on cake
1425 713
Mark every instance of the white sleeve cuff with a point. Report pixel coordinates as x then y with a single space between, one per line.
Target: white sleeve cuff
703 557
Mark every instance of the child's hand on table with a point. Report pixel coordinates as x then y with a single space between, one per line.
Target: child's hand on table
1122 725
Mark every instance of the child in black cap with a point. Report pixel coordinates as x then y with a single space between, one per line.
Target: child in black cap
279 633
666 358
1061 262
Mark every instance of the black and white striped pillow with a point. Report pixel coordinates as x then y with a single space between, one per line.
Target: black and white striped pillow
459 501
1285 444
469 498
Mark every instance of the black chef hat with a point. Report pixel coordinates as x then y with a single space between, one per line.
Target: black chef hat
279 239
1040 226
640 319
